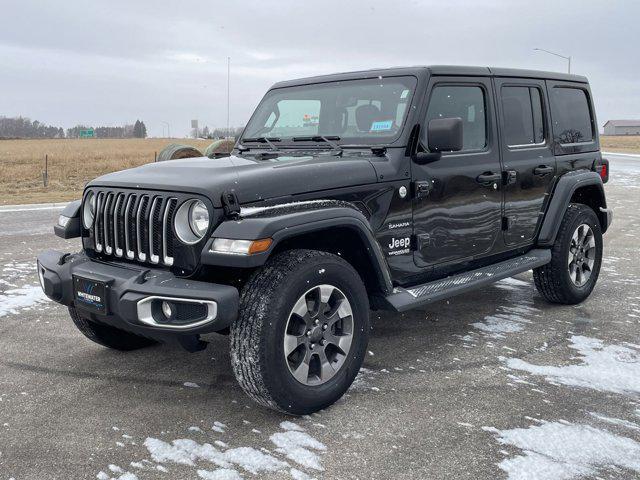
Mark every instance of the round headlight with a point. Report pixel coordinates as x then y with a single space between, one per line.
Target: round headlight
88 210
191 221
198 218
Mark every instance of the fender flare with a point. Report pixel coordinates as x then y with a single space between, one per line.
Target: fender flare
565 187
282 222
73 226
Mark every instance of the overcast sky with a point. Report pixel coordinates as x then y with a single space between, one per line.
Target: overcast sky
111 62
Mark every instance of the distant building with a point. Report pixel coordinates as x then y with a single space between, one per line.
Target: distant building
622 127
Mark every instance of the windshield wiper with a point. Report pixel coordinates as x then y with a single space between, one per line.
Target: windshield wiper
321 138
267 140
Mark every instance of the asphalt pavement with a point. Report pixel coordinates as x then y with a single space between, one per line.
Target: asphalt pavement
493 384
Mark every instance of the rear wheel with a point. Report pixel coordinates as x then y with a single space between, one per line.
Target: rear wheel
302 332
576 258
108 336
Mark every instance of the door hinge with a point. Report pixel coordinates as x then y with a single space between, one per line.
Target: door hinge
505 223
230 204
422 189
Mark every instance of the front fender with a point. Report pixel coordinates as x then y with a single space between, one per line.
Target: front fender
283 222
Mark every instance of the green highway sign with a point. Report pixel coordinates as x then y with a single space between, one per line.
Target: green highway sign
87 133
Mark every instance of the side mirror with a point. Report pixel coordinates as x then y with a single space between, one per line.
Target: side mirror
445 135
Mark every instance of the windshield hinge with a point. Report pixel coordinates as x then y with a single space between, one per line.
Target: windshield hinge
230 204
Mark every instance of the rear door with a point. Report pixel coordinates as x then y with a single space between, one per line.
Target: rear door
527 155
457 200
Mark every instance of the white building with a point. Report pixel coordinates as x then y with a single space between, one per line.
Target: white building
622 127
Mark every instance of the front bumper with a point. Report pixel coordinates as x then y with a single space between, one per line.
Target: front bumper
128 287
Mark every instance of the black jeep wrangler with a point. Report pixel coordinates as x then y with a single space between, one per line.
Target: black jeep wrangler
384 189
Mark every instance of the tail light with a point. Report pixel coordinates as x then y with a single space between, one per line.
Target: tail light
602 169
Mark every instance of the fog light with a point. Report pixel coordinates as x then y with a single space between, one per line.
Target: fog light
167 309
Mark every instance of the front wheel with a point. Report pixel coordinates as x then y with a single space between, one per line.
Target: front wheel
302 331
576 257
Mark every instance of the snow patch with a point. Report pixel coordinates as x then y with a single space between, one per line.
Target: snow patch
616 421
361 382
292 442
610 368
297 445
562 450
249 211
291 426
508 319
220 474
121 474
218 427
511 284
17 299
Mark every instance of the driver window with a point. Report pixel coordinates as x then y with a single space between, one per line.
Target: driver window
466 102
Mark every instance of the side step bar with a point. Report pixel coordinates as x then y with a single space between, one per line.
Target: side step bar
405 299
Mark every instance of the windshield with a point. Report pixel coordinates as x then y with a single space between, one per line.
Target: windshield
355 111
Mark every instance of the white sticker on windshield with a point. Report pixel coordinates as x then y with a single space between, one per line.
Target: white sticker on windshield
381 126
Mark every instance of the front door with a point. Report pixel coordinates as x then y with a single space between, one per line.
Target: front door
527 156
457 199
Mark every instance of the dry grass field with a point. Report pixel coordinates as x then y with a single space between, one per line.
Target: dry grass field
630 144
72 163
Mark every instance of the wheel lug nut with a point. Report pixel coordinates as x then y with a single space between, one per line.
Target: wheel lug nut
308 333
324 327
317 321
322 342
312 345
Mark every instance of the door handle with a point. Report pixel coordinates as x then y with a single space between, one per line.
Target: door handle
487 178
543 170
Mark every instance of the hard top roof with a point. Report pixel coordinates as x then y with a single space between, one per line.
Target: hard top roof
448 70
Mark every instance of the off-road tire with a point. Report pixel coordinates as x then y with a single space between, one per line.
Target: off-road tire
257 350
553 280
108 336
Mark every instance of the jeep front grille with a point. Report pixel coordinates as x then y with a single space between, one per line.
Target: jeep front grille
135 226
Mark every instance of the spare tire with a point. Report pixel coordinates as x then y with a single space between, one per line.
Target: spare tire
176 151
219 148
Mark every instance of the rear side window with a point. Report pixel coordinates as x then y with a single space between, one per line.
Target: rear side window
523 118
571 115
467 103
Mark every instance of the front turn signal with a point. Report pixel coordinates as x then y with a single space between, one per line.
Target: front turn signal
259 246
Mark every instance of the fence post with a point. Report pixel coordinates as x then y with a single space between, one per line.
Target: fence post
155 157
45 174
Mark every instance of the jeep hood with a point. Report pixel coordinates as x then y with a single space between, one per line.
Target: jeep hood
252 180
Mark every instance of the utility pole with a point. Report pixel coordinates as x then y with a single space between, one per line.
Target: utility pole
228 93
557 55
